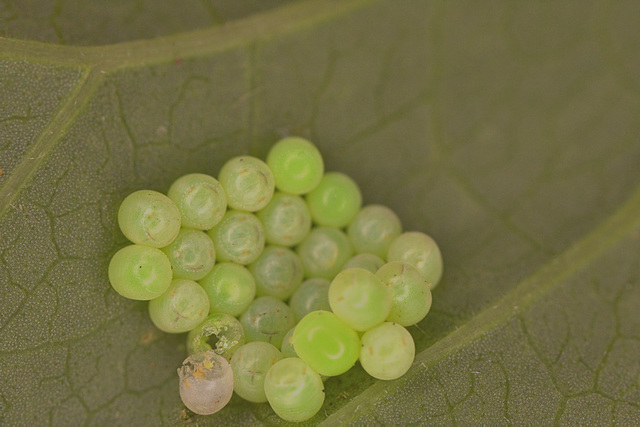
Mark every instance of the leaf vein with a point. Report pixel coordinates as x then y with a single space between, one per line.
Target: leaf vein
621 224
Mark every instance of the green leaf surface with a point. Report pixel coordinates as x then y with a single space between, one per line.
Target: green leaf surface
82 22
508 131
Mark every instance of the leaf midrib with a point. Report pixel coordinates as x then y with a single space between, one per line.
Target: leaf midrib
98 62
197 43
618 226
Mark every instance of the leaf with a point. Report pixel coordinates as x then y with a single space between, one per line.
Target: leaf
508 131
79 22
